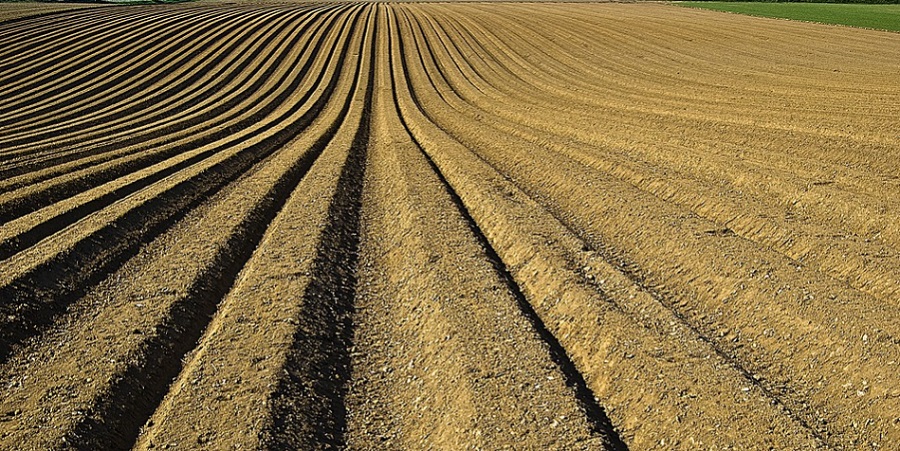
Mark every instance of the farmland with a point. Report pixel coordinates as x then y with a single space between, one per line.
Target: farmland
275 225
881 17
11 11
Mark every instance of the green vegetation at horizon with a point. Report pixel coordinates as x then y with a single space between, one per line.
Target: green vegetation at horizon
878 16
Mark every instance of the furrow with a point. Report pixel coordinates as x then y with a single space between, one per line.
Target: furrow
90 29
33 84
263 225
119 70
66 25
154 325
90 110
205 61
801 187
442 358
748 216
77 24
141 123
78 257
138 169
21 18
713 101
798 311
295 295
634 359
243 112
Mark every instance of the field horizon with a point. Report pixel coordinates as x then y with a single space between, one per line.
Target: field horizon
874 16
279 225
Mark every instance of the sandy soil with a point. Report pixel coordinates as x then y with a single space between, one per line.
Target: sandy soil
271 225
18 10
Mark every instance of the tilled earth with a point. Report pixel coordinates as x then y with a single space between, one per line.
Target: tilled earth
275 225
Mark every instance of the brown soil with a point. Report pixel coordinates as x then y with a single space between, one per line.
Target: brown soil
268 225
18 10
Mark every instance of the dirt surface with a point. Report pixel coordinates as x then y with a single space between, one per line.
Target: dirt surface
274 225
18 10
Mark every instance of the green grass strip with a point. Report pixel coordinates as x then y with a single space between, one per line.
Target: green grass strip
882 17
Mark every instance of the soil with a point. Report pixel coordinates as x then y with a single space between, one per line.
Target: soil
276 225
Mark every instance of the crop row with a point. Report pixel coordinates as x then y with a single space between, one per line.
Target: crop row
435 225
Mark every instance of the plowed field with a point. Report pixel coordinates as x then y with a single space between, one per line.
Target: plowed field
447 226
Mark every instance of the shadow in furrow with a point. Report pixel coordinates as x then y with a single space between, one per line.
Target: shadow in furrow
223 77
35 299
41 16
43 45
43 198
70 23
106 73
308 406
117 418
144 105
633 273
596 416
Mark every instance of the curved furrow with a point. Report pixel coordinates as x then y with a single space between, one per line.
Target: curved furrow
79 257
276 91
29 229
38 86
135 114
749 127
204 60
409 321
697 282
739 97
542 254
210 249
32 31
566 61
476 113
838 147
764 108
217 121
283 95
515 43
152 59
41 78
575 77
805 243
16 20
766 38
264 225
573 74
745 215
520 174
661 57
51 43
138 41
138 92
300 231
75 24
